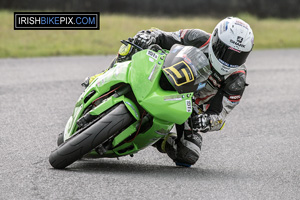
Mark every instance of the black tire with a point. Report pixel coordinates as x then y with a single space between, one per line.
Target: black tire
79 145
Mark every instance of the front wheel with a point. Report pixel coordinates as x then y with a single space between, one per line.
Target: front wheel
81 144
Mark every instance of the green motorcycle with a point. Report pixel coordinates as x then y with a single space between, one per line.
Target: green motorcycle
133 105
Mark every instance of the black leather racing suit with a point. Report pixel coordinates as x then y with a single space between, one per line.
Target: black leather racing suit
220 94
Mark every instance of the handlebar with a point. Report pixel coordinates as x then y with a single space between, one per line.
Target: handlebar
156 47
126 42
153 46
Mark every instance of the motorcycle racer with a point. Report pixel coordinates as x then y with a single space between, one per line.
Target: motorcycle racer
227 49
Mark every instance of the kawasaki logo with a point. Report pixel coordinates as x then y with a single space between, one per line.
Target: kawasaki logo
237 43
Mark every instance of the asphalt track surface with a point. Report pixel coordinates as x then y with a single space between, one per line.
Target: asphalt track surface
255 156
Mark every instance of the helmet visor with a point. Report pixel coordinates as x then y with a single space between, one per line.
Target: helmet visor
227 55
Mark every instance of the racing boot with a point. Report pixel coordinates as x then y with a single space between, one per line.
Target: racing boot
184 151
188 149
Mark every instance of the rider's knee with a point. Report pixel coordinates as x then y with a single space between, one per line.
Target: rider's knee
188 148
185 151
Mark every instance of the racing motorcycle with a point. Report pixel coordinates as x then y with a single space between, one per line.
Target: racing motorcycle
132 105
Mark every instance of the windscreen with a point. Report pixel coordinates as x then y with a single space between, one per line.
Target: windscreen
186 67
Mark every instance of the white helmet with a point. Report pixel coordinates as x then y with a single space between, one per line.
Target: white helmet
231 42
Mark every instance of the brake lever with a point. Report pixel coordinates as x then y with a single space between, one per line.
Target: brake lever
136 46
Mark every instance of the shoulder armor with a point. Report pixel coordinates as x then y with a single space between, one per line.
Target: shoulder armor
234 85
194 37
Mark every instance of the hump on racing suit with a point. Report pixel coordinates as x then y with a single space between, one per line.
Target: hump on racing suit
188 37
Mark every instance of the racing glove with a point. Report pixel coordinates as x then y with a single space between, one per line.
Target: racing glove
144 39
201 122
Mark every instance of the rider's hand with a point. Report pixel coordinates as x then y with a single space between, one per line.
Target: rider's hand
201 122
144 39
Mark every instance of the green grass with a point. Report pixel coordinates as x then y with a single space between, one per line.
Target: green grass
269 33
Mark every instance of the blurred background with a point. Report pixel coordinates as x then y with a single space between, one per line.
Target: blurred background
276 24
217 8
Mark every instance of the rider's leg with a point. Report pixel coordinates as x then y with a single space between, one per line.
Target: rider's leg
184 149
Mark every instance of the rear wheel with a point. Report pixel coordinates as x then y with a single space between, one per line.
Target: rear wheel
98 133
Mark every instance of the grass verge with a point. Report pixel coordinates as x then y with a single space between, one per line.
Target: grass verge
269 33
